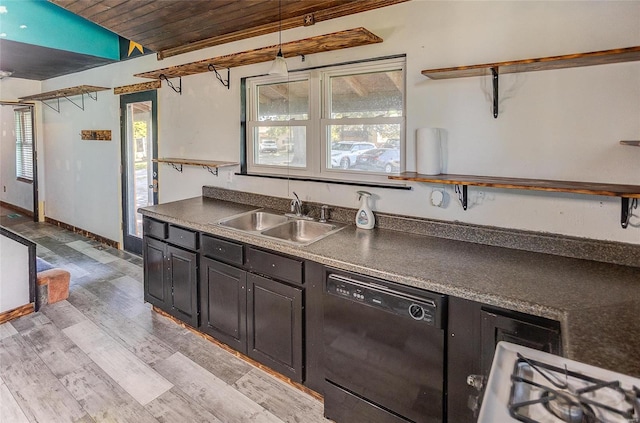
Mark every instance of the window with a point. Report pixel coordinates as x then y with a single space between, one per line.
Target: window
24 143
343 122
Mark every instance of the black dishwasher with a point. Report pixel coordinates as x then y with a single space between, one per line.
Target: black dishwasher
383 351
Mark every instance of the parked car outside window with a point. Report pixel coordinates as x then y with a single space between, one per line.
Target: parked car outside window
268 146
379 159
344 153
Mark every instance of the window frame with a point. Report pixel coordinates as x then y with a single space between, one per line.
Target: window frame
317 166
24 159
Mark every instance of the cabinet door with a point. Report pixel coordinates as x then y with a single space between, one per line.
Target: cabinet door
183 277
497 327
223 303
274 325
156 286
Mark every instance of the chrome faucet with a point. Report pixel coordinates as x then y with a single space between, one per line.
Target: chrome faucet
296 205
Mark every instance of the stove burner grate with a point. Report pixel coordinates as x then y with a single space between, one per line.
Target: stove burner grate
564 401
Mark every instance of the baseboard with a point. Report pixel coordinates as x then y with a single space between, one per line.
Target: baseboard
90 235
16 312
20 210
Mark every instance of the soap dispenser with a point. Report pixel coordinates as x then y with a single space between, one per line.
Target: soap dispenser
365 218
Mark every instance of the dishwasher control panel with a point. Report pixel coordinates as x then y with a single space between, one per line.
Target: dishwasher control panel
426 309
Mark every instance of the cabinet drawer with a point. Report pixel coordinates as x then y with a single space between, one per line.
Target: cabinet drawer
183 237
270 264
154 228
217 248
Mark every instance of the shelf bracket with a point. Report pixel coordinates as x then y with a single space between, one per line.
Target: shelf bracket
170 84
627 205
496 97
462 195
212 170
50 106
81 107
177 167
224 82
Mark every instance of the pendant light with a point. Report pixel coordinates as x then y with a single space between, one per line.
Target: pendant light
279 65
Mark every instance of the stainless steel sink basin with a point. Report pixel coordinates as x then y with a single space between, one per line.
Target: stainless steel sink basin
301 231
255 221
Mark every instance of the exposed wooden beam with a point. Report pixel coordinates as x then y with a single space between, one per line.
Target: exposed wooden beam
356 86
328 42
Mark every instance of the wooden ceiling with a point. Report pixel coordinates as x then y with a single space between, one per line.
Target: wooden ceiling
171 27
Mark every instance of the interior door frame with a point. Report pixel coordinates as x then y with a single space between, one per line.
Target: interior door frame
34 152
130 243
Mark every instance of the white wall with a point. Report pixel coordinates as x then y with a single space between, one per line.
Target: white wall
14 274
13 191
562 124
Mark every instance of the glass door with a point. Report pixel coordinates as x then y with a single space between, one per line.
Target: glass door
139 126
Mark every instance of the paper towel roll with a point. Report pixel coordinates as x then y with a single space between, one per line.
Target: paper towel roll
428 151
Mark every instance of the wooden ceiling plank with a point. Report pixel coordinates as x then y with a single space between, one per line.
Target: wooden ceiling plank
98 10
236 17
115 17
321 43
321 15
170 12
357 87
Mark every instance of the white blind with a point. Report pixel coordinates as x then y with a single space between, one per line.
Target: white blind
24 144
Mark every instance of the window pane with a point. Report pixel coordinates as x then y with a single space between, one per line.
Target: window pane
366 148
283 101
280 146
367 95
24 144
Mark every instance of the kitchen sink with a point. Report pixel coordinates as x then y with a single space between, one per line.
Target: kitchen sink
278 226
254 221
301 231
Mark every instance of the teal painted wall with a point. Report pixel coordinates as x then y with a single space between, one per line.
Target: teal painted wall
48 25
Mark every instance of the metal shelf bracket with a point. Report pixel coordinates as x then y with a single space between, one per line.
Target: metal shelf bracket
50 106
177 167
212 170
627 205
496 97
224 82
462 195
170 84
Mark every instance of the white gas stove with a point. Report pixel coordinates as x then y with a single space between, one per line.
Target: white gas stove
527 385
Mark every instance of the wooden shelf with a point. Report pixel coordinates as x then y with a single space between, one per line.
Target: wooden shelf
589 188
629 194
211 165
80 90
321 43
65 92
634 143
628 54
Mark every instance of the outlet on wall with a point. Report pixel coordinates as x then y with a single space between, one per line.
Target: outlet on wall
4 188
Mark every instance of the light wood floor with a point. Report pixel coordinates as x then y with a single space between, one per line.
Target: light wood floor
104 356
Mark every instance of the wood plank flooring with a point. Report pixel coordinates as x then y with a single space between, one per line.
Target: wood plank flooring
104 356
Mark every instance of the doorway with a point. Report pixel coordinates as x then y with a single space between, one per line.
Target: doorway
139 129
19 158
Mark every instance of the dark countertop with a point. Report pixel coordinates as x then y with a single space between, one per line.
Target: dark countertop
597 304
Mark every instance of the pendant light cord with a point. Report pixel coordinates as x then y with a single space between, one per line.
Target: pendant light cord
280 27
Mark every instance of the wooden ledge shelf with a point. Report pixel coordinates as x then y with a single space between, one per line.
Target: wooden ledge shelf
633 143
630 194
80 90
318 44
603 57
211 165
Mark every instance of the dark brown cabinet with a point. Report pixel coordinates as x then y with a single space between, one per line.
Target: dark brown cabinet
474 330
171 272
223 303
252 300
274 325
